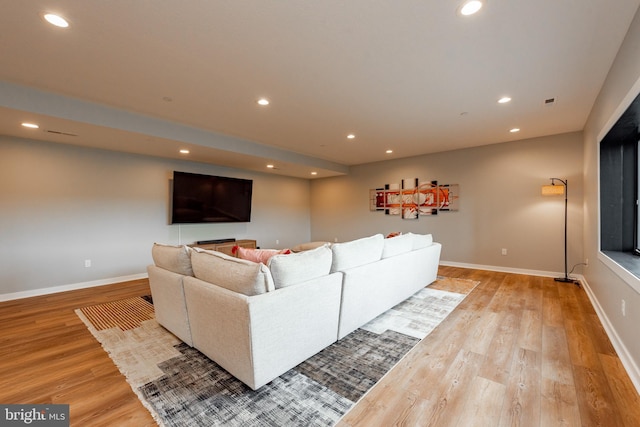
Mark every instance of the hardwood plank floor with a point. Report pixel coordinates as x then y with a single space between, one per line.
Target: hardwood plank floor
47 355
519 351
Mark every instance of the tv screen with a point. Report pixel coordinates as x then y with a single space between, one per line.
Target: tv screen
206 198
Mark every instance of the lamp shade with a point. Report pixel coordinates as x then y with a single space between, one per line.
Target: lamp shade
552 190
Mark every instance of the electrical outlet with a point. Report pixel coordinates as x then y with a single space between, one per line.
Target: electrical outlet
87 263
335 239
623 307
277 241
504 251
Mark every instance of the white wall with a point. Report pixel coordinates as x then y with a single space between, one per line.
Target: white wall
61 205
608 287
500 203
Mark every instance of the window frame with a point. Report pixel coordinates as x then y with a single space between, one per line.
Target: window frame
611 260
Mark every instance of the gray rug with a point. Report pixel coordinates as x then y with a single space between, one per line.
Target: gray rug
182 387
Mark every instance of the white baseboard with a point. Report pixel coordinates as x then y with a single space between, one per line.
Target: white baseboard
506 269
627 361
71 287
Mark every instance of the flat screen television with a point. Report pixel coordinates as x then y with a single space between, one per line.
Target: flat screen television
206 198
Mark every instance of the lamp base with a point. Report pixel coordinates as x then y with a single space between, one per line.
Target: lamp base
567 280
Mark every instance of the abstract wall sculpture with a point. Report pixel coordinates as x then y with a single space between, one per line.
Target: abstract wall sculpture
413 198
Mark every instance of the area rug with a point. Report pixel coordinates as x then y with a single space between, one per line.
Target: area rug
182 387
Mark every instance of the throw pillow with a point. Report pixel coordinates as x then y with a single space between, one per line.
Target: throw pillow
299 267
356 252
421 240
257 255
238 275
173 258
397 245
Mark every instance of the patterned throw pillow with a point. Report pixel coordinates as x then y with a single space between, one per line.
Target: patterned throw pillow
257 255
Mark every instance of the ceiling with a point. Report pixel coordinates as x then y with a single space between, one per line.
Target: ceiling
412 76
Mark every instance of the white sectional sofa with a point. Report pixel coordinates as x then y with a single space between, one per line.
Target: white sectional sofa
258 321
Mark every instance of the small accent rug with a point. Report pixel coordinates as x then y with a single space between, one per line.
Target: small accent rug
182 387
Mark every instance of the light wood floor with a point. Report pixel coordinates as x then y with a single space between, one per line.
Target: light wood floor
519 351
47 355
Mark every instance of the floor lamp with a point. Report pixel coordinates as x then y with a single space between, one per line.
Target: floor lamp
558 190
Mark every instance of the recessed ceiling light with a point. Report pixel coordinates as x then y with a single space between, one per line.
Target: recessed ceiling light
389 151
314 173
56 20
504 100
470 7
270 166
184 151
30 125
263 101
351 136
514 130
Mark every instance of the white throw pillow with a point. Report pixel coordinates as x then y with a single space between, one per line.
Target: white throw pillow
173 258
422 241
397 245
238 275
299 267
356 252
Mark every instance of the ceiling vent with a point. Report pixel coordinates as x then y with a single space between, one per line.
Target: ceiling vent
57 132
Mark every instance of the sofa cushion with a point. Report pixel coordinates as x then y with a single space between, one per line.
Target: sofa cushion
176 259
422 240
397 245
238 275
299 267
356 252
308 246
257 255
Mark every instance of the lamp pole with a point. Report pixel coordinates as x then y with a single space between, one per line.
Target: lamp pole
566 277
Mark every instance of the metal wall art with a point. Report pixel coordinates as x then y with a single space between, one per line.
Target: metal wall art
413 198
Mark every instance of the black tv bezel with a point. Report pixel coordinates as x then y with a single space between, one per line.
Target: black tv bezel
203 219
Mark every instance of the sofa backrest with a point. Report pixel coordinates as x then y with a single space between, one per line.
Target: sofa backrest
176 259
238 275
397 245
421 240
300 267
356 252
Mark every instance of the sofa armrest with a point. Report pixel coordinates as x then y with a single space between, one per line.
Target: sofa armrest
169 303
258 338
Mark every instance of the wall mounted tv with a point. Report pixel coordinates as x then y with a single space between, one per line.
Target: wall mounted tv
205 198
